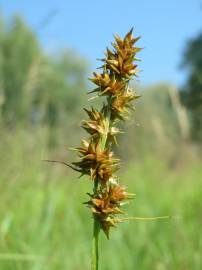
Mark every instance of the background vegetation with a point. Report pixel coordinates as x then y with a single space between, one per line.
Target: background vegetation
42 222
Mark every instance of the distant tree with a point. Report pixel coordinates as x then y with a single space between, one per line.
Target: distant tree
192 91
61 81
19 50
36 87
1 68
58 98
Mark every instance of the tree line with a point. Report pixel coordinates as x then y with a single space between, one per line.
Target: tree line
37 88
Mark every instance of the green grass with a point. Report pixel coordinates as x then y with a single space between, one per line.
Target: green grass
44 226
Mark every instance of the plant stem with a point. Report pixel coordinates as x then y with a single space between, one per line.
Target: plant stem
96 223
95 249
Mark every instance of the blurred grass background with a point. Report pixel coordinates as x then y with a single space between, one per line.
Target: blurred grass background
43 224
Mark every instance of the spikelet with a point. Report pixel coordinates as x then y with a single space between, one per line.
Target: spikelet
95 156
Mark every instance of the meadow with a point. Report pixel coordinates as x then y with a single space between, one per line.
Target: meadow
43 224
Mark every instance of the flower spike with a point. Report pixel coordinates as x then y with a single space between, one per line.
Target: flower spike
95 156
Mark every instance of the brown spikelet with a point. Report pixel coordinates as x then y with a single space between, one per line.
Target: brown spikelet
121 59
106 204
121 103
107 85
96 125
95 156
99 164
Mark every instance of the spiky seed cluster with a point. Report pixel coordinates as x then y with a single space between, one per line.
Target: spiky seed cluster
106 85
96 125
106 203
97 163
95 156
121 59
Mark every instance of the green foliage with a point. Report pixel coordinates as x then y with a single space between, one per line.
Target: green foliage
42 223
19 50
43 226
192 94
154 125
37 88
60 89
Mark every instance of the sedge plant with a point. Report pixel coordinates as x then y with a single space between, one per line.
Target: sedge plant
95 156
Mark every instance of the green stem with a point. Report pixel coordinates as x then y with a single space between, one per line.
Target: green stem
96 223
95 249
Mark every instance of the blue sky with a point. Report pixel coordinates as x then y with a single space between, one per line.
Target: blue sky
87 26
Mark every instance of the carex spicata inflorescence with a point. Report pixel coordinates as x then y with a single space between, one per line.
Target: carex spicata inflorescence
95 156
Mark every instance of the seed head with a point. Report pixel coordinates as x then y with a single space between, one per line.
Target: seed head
95 156
96 125
121 59
99 164
107 85
121 103
105 204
